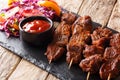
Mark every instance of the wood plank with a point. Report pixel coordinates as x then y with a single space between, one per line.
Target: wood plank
70 5
8 62
114 22
51 77
28 71
99 10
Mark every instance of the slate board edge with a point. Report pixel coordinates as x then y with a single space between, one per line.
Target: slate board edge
34 62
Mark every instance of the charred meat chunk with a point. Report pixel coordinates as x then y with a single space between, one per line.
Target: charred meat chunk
111 53
62 34
54 52
91 64
77 30
92 49
75 47
111 67
102 32
73 56
100 36
103 42
81 24
76 41
74 50
68 18
115 40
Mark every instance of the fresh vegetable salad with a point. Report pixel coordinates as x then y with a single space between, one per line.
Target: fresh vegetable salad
20 9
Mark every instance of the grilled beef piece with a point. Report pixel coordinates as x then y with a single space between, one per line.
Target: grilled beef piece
91 64
92 49
76 41
100 36
75 44
102 32
60 40
74 49
61 37
82 24
111 53
115 40
62 34
74 56
68 18
103 42
54 52
111 67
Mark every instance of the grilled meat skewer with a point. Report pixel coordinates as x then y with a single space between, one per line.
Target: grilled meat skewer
75 47
61 37
93 53
54 52
111 68
80 37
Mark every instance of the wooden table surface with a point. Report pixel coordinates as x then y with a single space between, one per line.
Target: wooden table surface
105 12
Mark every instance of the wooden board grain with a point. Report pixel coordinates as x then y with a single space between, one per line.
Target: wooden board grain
99 10
114 22
51 77
28 71
8 62
70 5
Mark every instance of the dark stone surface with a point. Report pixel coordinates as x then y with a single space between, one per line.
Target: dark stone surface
36 56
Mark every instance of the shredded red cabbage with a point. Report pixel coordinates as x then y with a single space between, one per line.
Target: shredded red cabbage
25 5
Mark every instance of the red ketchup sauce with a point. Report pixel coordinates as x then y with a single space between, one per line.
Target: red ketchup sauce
36 26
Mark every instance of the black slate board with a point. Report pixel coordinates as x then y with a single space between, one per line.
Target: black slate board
37 57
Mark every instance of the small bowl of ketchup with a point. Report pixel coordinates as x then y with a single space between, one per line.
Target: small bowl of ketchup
36 30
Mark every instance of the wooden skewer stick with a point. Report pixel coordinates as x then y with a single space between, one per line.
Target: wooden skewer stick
109 76
50 61
70 63
103 25
88 75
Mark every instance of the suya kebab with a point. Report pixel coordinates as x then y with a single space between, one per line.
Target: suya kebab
111 67
80 37
61 37
96 60
111 57
93 53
